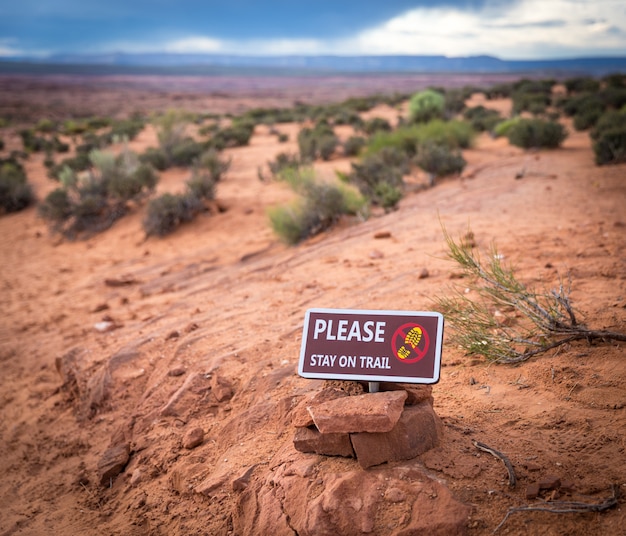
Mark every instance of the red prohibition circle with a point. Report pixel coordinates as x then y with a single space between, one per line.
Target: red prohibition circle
410 343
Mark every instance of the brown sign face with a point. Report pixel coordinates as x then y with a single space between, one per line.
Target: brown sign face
396 346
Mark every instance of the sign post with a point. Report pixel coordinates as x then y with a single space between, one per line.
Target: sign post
372 346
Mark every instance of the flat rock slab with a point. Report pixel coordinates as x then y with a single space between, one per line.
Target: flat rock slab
372 412
417 431
310 440
113 462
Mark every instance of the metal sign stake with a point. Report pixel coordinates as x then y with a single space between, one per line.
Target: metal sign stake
373 387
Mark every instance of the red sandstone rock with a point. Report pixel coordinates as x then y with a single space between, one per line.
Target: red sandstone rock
193 438
113 462
301 417
418 430
373 412
310 440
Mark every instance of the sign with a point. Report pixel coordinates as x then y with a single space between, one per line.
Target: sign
374 346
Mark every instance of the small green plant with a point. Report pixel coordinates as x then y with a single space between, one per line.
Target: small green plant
317 142
426 105
609 138
318 207
91 201
353 145
15 192
376 124
482 119
536 133
379 176
165 213
502 319
439 160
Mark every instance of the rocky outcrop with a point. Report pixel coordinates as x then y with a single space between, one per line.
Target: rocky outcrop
310 496
398 423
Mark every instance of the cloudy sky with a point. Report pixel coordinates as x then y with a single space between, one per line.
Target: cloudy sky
509 29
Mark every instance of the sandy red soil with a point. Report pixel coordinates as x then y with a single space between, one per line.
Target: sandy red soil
223 299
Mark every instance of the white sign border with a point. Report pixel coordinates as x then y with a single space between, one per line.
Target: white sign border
372 378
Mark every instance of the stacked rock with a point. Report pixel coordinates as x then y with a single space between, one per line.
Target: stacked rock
396 423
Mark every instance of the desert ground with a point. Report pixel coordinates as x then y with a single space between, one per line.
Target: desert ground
206 331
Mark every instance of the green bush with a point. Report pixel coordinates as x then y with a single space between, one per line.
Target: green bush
155 157
284 162
185 152
165 213
15 192
581 83
454 134
317 142
536 133
318 207
609 138
439 160
482 119
426 105
379 176
92 200
376 124
502 128
237 135
353 145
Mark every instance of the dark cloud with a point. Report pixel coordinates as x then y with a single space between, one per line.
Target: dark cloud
78 23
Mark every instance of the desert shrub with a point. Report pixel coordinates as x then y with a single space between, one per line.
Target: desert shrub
73 128
92 200
482 119
532 96
499 91
348 117
454 101
426 105
439 160
581 83
284 162
379 176
503 127
124 129
155 157
15 192
57 206
454 134
185 152
536 133
376 124
237 135
166 212
317 142
318 207
615 80
609 138
80 162
211 162
46 126
353 145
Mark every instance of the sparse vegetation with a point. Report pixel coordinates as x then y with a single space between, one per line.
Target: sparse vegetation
165 213
482 119
93 200
502 319
439 160
318 207
426 105
317 142
536 133
609 138
15 192
378 176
